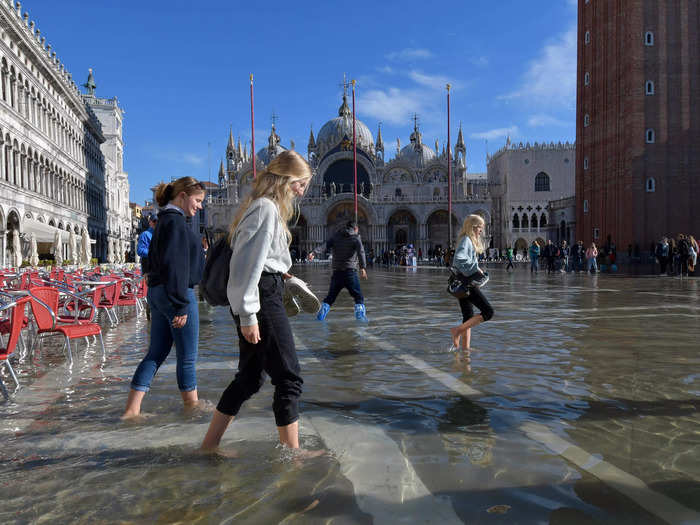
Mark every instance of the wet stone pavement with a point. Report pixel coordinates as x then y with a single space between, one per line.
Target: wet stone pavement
577 405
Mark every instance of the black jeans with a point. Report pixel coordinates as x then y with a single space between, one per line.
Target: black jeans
478 299
344 279
274 354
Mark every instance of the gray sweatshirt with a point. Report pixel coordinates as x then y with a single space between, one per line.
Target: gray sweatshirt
259 245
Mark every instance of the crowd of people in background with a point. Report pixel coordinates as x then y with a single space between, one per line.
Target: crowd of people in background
676 256
672 256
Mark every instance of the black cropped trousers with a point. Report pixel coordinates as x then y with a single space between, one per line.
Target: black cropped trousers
275 355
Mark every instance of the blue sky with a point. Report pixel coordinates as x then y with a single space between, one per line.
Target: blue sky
180 70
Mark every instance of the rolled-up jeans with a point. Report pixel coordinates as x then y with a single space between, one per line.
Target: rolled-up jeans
163 335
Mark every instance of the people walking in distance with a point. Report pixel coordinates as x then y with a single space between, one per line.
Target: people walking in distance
662 253
550 254
348 256
564 251
579 254
509 256
144 242
693 253
534 256
683 254
176 262
673 256
591 258
465 261
260 240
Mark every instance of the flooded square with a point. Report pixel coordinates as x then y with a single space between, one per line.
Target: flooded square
578 404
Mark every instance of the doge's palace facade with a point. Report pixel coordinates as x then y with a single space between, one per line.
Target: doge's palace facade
53 170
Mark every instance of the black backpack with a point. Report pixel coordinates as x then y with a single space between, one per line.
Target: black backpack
216 270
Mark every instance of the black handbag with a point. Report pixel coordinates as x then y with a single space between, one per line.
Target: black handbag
459 286
216 271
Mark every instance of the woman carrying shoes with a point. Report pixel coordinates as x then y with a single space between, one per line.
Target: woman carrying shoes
466 262
260 241
176 262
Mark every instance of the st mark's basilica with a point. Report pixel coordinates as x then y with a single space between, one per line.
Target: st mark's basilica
403 201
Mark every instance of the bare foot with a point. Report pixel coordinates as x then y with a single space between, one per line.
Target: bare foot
224 452
456 335
141 416
201 405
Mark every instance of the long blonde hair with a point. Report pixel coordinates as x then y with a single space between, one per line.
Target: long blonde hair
274 183
468 230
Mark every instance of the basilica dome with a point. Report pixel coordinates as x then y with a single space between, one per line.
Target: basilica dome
334 131
420 153
417 152
272 149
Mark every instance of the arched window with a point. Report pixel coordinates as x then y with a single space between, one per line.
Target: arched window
533 220
516 221
651 136
586 78
585 206
585 163
586 120
651 185
525 222
542 182
543 220
587 37
649 88
649 38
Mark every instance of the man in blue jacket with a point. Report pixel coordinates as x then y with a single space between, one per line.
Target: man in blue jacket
348 255
144 243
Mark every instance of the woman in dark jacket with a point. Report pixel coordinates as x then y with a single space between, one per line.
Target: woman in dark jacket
176 261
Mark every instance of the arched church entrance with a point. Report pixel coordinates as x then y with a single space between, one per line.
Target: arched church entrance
299 247
340 177
438 231
344 211
402 228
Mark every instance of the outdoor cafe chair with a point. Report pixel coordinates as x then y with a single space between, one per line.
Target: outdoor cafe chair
45 305
16 317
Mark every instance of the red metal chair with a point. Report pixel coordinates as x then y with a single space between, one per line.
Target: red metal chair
110 295
129 294
44 303
16 317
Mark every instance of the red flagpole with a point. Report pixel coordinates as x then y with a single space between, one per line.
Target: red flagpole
252 122
449 176
354 148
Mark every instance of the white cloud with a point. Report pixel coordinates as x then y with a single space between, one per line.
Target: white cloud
181 158
386 69
409 53
191 158
551 78
481 61
495 133
393 105
541 120
432 81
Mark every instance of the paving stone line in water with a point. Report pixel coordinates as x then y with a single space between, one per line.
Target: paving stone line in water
661 506
385 483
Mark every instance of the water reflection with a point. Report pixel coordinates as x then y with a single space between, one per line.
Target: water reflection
607 364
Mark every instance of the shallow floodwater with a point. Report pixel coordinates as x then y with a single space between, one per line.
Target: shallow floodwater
578 404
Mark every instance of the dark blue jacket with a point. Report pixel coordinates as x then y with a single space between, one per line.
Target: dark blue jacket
175 258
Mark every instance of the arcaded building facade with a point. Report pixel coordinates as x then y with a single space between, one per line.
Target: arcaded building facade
637 121
401 201
53 170
532 189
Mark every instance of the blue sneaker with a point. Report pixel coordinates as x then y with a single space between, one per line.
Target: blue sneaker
360 313
323 312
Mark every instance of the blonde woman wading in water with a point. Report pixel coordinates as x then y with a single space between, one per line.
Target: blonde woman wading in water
466 262
260 261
